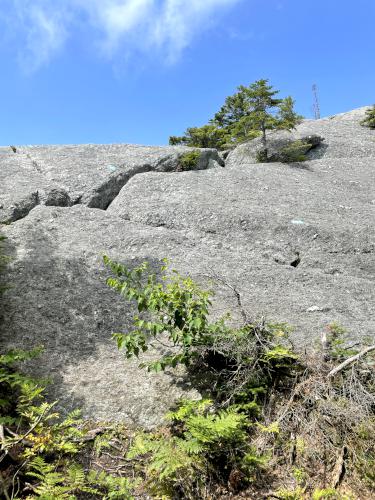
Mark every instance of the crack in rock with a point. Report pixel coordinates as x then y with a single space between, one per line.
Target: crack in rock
22 209
64 176
104 195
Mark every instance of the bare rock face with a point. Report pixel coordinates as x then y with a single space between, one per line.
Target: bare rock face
59 299
296 240
90 174
343 138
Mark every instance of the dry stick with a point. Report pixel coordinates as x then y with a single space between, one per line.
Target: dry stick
349 361
234 290
339 470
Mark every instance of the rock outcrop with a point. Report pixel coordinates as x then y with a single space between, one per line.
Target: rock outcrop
91 175
296 240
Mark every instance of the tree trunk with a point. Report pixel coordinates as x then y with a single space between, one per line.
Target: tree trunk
264 142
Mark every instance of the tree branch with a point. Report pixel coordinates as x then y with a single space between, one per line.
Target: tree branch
349 361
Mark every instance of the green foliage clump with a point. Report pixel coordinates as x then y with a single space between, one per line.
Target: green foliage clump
369 120
203 443
262 156
294 152
177 308
264 405
45 448
73 481
208 136
189 160
248 113
338 343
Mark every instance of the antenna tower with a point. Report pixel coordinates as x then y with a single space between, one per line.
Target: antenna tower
316 105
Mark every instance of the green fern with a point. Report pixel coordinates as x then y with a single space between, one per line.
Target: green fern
203 435
112 487
52 484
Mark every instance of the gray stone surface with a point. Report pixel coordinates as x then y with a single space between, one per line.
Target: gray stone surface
89 174
257 218
22 186
94 174
59 299
344 137
297 241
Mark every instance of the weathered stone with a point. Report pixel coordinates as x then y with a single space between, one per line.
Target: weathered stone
94 174
59 299
297 242
265 213
20 184
343 135
89 174
58 198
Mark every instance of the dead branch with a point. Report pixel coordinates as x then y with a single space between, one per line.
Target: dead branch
339 470
326 346
236 293
349 361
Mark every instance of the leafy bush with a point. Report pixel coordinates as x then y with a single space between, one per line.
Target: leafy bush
294 151
208 136
189 160
369 120
262 156
178 308
266 405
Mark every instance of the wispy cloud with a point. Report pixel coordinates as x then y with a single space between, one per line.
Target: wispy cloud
162 28
41 31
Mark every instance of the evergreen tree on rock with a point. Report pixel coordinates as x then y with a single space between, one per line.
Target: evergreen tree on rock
248 113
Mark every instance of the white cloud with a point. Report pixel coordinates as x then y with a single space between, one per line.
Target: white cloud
162 28
43 28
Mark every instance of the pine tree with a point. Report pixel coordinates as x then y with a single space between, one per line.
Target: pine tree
267 112
208 136
248 113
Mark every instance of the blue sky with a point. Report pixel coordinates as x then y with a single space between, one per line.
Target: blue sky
137 71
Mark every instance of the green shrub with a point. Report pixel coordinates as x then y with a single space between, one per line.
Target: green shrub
294 152
208 136
262 156
265 404
248 113
177 307
369 120
189 160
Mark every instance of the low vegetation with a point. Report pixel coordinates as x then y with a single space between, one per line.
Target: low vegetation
369 120
271 423
188 160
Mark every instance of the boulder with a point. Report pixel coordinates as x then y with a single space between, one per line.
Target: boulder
297 241
89 174
343 135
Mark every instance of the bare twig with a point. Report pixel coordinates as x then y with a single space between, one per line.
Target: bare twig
326 346
349 361
234 290
339 470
